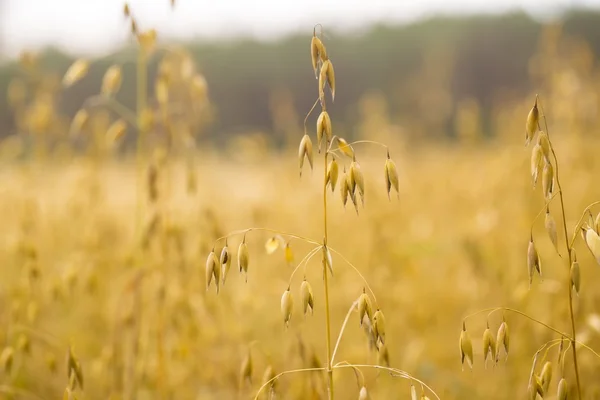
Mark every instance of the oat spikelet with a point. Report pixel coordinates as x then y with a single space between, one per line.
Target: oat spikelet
533 261
332 174
305 150
327 259
575 274
364 307
79 121
323 129
363 394
243 258
562 390
111 82
116 131
126 10
531 126
357 180
211 264
225 262
379 325
550 225
548 180
306 294
345 147
593 243
287 306
272 245
534 388
489 346
502 339
269 376
466 347
316 48
6 359
544 143
76 71
383 355
74 371
536 162
246 369
288 254
344 188
391 176
546 376
413 393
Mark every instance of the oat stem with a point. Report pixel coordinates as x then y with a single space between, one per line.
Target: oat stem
141 96
284 373
275 231
116 106
326 284
304 261
545 208
576 229
573 339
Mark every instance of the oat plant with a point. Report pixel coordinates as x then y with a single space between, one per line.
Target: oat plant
545 166
342 172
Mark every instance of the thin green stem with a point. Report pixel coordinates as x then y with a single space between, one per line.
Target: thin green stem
570 255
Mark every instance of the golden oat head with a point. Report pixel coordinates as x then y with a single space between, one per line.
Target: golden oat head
466 347
532 123
546 376
6 359
225 261
306 296
246 368
272 244
383 355
111 82
563 389
211 266
364 307
79 121
575 275
550 225
502 339
548 180
536 162
533 261
243 257
544 143
489 346
379 325
269 376
413 393
535 388
332 174
316 49
357 180
287 306
76 72
305 151
593 243
344 190
288 254
327 259
324 129
391 176
345 147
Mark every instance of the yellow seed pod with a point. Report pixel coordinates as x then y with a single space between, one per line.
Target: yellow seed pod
305 150
546 376
79 121
548 180
116 131
324 129
16 93
225 262
575 275
466 347
287 306
562 390
243 258
344 188
533 261
550 225
272 244
288 254
246 368
316 48
593 242
536 161
6 359
76 71
364 307
391 176
544 143
327 259
531 126
489 346
327 75
502 338
363 394
379 325
332 174
161 91
345 147
211 266
111 83
306 294
357 179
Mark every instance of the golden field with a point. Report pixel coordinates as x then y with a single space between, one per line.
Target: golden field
105 258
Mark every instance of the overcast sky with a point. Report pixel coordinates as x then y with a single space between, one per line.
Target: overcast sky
92 26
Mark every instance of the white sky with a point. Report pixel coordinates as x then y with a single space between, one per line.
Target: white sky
92 26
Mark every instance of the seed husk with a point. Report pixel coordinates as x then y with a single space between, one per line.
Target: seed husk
363 394
332 174
306 294
225 262
316 48
269 376
305 150
502 338
546 376
345 147
548 180
288 254
272 245
246 368
489 346
562 389
531 126
544 143
79 121
536 161
243 258
533 261
391 176
6 359
327 259
287 306
344 188
357 180
550 225
111 82
364 307
76 72
413 393
593 242
575 275
323 129
383 355
379 325
211 270
466 347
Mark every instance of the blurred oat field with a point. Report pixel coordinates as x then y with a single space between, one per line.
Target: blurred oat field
104 250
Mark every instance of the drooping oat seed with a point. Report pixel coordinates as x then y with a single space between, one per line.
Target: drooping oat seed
327 259
246 369
345 147
391 176
546 376
243 258
536 161
344 188
357 180
79 121
364 307
316 49
533 261
544 143
548 180
379 325
550 225
575 274
593 242
332 174
126 10
225 262
287 306
383 355
563 389
413 393
76 71
489 346
268 375
288 254
531 126
111 82
211 265
306 294
323 129
363 394
502 338
466 347
305 150
272 245
6 359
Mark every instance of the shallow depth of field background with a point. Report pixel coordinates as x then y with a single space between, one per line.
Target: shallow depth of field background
449 95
